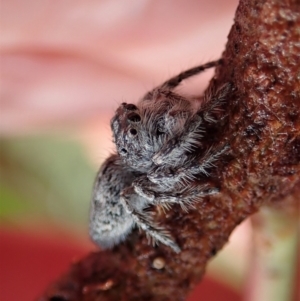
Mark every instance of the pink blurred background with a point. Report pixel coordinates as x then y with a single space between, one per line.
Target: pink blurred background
70 61
65 67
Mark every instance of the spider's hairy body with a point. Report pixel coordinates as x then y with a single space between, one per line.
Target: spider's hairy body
112 217
162 160
109 222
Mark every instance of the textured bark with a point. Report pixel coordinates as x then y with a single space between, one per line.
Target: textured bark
261 60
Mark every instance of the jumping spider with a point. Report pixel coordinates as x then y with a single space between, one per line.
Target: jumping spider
161 160
164 126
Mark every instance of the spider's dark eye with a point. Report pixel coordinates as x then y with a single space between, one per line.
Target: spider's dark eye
123 151
130 107
134 117
159 132
133 132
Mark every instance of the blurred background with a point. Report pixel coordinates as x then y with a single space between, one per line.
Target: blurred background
65 67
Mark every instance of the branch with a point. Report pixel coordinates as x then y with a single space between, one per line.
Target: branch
261 60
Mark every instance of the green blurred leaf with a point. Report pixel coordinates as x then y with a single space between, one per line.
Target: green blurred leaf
46 175
11 203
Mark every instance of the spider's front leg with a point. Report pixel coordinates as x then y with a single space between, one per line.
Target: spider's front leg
132 204
206 161
168 189
180 145
213 99
168 178
188 197
176 150
179 108
176 80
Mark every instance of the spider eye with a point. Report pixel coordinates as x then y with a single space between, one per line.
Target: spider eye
130 107
123 151
134 117
159 132
133 132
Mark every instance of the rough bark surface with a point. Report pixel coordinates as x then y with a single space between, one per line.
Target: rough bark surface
262 61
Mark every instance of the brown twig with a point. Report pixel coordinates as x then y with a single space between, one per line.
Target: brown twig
262 61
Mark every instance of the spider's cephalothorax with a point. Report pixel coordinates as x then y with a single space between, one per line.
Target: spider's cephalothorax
164 127
131 130
163 159
141 131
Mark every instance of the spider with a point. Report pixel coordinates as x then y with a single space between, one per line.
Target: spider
158 162
164 126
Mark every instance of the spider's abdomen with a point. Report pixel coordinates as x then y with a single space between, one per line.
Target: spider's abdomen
109 222
107 228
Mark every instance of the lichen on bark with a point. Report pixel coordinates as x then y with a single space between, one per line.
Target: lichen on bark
262 61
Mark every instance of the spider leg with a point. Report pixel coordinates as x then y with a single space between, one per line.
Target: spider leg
143 187
176 80
213 99
186 198
167 177
172 110
178 113
207 161
163 193
157 233
174 151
